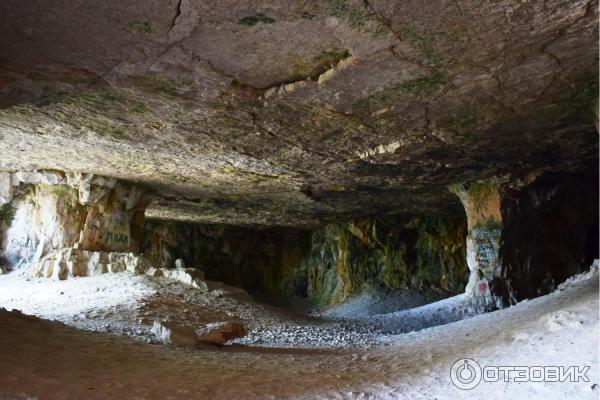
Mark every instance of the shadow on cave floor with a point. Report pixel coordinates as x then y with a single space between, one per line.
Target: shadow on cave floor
389 311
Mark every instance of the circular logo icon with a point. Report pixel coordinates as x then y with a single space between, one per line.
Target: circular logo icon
465 374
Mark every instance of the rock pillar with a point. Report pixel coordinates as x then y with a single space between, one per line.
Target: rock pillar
482 203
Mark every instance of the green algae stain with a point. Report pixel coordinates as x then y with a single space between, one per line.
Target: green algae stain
361 18
159 84
583 100
425 46
425 85
104 100
140 27
256 19
254 176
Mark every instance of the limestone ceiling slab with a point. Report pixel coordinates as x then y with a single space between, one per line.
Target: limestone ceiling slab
291 113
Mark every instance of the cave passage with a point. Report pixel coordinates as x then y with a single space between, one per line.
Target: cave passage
80 251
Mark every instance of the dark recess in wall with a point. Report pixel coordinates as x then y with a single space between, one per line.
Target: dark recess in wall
550 232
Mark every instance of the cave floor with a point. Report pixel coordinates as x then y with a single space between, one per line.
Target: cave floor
128 304
290 356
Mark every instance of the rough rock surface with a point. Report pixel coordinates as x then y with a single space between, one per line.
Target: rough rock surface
259 260
482 202
190 276
50 211
550 232
69 262
322 115
280 113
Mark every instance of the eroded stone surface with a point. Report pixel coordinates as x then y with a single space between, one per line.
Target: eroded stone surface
387 254
190 276
328 115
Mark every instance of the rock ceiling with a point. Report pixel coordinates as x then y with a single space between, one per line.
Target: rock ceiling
295 112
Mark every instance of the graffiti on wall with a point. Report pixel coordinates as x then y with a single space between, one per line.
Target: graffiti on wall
107 232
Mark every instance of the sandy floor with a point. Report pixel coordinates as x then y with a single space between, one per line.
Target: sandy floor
129 304
48 360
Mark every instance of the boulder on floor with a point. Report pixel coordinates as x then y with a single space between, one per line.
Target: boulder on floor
220 332
176 335
189 276
182 335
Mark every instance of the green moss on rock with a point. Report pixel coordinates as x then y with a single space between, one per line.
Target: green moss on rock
425 45
423 86
7 214
426 85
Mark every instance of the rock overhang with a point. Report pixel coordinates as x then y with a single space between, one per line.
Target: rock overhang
279 114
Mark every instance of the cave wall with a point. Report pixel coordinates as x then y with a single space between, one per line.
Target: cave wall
45 212
114 218
327 265
17 236
39 219
418 253
517 239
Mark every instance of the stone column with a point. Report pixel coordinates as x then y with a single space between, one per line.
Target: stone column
481 201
